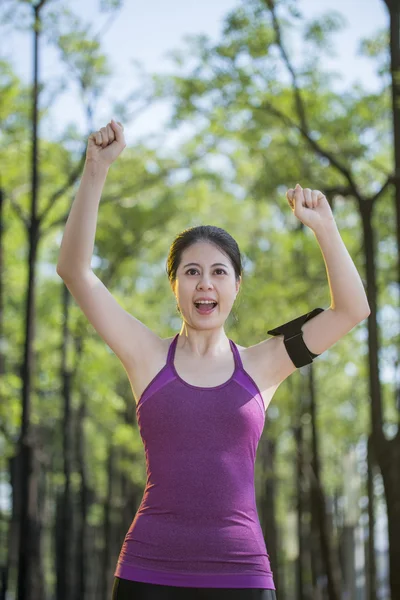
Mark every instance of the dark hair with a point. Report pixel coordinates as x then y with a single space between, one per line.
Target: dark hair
203 233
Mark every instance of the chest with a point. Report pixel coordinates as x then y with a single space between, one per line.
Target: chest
199 373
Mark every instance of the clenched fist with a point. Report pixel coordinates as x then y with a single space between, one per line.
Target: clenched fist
310 206
105 145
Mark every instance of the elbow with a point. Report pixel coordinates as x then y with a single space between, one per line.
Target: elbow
367 310
71 273
353 316
62 273
365 314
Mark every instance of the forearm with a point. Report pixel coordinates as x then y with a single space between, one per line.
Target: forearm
346 288
80 230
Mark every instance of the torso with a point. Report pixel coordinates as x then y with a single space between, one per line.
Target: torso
196 373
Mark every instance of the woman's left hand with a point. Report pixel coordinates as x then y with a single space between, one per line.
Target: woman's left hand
310 206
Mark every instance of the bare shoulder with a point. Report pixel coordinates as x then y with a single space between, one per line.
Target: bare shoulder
258 360
153 357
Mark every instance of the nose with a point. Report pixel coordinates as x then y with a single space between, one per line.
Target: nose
205 282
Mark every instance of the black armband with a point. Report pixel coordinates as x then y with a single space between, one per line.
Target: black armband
293 338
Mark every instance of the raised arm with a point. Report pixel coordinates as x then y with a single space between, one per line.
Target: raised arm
104 146
125 335
300 340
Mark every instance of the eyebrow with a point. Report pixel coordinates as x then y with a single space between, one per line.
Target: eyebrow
197 265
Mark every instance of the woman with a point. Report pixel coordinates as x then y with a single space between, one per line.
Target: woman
201 398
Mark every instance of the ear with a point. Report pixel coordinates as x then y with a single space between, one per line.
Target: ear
238 284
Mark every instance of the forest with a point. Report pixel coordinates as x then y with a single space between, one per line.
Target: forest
249 118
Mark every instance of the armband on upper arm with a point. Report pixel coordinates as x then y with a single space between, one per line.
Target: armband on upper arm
293 338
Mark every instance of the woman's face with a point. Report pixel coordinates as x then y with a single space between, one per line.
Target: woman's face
205 272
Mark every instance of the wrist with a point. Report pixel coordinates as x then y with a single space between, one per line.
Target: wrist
325 228
96 167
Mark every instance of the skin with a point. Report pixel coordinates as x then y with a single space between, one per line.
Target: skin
203 336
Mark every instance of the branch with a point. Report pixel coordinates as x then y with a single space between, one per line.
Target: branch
389 180
70 181
18 210
38 7
142 184
315 145
298 98
147 102
99 35
338 190
303 127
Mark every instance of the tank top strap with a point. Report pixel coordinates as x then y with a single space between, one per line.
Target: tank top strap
171 350
236 354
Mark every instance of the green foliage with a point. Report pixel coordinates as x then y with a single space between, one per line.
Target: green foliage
248 146
317 31
378 48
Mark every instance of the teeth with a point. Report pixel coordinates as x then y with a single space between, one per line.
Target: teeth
205 302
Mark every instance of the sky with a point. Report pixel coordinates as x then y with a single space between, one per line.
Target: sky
146 31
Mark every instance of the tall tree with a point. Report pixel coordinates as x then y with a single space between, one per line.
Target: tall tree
387 452
30 572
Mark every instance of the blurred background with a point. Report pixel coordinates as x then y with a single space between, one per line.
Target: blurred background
226 104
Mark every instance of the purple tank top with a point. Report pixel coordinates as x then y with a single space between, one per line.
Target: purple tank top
197 524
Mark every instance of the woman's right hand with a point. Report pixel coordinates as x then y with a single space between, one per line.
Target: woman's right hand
105 145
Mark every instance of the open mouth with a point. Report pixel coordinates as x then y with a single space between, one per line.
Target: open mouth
205 309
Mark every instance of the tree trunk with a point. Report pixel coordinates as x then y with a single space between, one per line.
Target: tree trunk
318 498
2 338
371 571
300 563
65 530
316 560
7 527
82 555
107 538
387 452
30 575
267 455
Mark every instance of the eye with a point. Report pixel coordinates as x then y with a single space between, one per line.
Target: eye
222 270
